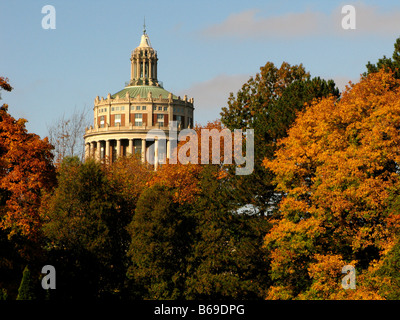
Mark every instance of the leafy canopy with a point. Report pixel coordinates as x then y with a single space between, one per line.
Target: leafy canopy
336 169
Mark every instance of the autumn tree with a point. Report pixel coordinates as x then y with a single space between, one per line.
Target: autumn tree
188 212
129 177
384 274
268 103
4 84
336 168
184 177
26 171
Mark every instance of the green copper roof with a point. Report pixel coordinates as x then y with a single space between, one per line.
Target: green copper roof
143 91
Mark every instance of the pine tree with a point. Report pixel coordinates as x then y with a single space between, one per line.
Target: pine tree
26 289
161 233
392 64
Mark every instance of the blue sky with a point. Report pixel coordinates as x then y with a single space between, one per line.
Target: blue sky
206 49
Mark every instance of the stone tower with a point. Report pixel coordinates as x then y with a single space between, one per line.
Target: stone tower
122 120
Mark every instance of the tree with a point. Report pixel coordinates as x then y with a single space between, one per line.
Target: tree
268 104
26 171
66 135
129 177
392 64
384 275
27 287
195 248
227 259
184 178
4 84
388 279
161 236
85 231
336 169
258 93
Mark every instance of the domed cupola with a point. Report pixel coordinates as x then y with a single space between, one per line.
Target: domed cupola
144 63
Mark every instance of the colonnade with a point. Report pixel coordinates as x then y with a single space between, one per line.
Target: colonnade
111 149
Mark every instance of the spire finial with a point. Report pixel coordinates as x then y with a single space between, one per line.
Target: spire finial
144 25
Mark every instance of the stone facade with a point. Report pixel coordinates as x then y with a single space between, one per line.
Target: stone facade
122 120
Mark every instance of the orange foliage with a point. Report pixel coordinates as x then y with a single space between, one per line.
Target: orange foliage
130 176
326 275
4 84
336 168
25 170
184 178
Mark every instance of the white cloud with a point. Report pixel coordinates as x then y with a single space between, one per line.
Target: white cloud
211 95
371 20
249 24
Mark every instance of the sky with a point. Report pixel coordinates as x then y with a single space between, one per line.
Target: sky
206 49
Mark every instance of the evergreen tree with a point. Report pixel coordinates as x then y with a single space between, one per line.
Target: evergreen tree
161 236
85 231
227 260
392 64
26 289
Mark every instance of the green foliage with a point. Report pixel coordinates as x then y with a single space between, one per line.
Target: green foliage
390 271
387 273
387 63
3 294
197 250
258 93
227 254
112 232
281 115
85 230
269 104
27 288
161 233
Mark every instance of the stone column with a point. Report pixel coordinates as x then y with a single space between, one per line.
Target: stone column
98 151
108 151
168 149
132 69
118 147
143 150
156 154
137 69
87 151
92 149
150 70
130 148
